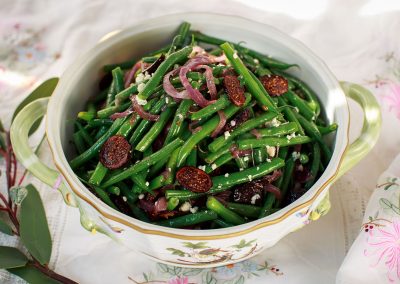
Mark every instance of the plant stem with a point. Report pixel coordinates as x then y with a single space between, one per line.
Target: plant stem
45 270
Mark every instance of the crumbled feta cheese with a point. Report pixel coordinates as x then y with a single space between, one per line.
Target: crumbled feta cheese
235 55
147 76
213 166
271 150
290 136
166 100
219 186
203 168
141 196
295 155
141 87
124 198
180 116
226 175
275 122
254 198
169 169
250 177
194 209
147 183
296 109
139 78
268 160
140 101
300 168
226 134
258 168
190 79
246 159
256 61
240 169
185 207
233 123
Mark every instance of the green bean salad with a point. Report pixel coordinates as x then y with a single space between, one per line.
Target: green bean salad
201 134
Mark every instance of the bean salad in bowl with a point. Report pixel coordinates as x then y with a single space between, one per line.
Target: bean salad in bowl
201 134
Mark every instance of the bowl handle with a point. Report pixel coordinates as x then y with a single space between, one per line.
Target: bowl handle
371 126
19 138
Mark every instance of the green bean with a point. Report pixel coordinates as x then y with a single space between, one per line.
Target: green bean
259 155
316 154
189 219
222 160
327 129
111 94
101 132
84 134
124 94
179 39
157 182
145 124
242 162
290 115
162 70
93 150
101 97
149 59
100 122
159 51
206 129
244 209
222 223
131 198
140 181
172 203
296 101
260 94
192 158
139 214
211 157
312 130
98 174
145 163
113 190
155 130
118 77
171 166
267 207
245 144
221 183
205 112
89 114
304 158
283 129
123 65
107 112
266 60
176 124
246 126
287 178
78 142
104 196
158 167
226 214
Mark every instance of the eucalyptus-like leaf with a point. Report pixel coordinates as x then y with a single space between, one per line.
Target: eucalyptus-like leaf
31 275
34 230
42 91
5 228
2 142
1 127
11 257
18 194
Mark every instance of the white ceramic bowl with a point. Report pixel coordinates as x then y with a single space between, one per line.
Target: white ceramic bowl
178 246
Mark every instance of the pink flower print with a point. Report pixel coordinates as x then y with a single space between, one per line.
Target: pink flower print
387 246
179 280
393 99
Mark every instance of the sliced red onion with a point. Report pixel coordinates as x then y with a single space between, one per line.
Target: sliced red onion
212 89
272 177
236 153
194 94
141 112
130 76
274 190
160 205
197 50
121 114
170 89
256 133
221 124
191 64
218 59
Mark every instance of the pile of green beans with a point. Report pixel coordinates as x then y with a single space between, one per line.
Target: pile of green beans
282 136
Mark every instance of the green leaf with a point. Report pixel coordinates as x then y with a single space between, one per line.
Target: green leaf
198 245
5 228
2 127
2 142
11 257
176 252
34 230
42 91
32 275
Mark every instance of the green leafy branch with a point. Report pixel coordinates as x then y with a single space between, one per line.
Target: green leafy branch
26 215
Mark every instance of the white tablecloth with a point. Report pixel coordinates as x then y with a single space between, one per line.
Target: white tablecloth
357 39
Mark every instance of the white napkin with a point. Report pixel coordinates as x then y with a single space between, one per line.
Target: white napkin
375 255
